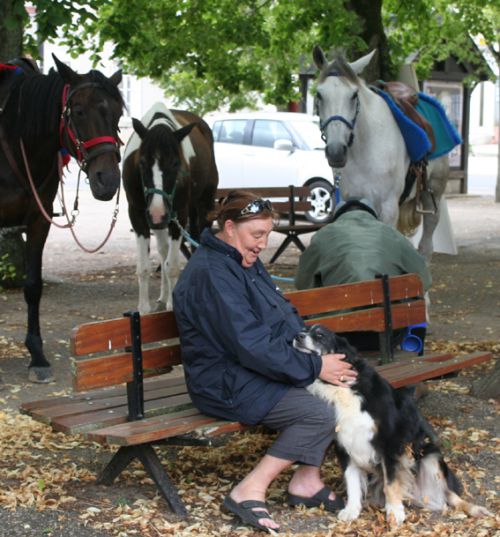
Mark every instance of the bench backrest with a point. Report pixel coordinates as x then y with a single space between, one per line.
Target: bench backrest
107 345
285 199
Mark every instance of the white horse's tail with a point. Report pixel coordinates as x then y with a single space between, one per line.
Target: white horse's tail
409 218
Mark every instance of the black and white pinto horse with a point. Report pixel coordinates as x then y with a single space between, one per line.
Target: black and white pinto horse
170 178
364 144
41 115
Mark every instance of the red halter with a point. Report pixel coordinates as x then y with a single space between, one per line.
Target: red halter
82 155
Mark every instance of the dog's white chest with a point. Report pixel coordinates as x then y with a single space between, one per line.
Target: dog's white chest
355 427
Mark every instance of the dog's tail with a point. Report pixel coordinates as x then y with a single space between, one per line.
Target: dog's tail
437 487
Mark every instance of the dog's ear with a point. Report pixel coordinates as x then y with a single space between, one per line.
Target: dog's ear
342 346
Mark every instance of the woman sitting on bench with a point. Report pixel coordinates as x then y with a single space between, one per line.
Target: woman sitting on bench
236 333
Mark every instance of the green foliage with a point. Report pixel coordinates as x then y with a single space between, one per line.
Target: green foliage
7 269
209 54
435 29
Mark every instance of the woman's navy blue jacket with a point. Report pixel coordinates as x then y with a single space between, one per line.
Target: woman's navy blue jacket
236 331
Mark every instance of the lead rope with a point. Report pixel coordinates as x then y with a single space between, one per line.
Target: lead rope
71 222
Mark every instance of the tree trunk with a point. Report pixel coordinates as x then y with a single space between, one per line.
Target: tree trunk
370 15
11 35
489 386
12 246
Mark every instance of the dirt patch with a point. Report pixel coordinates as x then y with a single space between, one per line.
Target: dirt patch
48 479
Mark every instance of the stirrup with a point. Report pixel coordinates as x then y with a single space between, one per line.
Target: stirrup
419 208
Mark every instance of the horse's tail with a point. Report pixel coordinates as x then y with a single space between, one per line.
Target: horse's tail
409 218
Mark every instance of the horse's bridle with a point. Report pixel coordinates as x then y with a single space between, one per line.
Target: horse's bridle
350 124
83 155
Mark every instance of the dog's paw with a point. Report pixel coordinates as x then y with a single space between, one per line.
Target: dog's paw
478 511
349 513
395 514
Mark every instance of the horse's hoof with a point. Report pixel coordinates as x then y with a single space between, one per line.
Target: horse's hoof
40 375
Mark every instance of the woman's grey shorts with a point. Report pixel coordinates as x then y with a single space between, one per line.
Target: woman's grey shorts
306 425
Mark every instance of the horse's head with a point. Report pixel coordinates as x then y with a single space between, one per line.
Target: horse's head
338 102
92 106
162 166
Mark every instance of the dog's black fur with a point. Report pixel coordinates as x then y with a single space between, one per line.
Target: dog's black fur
394 411
398 424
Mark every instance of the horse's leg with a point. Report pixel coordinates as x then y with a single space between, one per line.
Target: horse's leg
172 265
36 235
438 171
162 239
143 272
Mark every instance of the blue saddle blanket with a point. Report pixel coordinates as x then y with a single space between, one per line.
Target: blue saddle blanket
417 142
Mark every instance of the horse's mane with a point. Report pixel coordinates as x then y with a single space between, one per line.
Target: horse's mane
34 106
160 135
35 103
107 86
340 66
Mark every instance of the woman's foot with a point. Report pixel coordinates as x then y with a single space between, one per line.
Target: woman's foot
239 502
306 484
252 512
324 497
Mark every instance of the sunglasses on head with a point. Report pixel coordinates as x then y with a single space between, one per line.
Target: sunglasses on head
256 207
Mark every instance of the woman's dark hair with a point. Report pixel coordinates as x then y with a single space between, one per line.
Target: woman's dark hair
240 206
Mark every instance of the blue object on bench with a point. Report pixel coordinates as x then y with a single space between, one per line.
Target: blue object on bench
412 342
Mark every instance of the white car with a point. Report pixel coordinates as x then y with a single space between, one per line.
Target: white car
261 149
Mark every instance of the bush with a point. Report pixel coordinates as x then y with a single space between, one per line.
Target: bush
7 270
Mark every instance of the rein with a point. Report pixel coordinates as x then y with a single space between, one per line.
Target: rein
350 124
71 222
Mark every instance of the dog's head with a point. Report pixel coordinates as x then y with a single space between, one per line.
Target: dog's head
317 338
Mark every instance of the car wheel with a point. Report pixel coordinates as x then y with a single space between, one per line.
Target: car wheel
322 202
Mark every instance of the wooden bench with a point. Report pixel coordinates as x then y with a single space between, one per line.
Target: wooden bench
287 201
127 395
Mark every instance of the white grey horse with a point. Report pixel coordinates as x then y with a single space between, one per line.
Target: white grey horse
365 146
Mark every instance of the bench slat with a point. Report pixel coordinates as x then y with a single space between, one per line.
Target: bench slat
269 191
85 422
149 430
107 404
427 370
105 336
373 319
354 295
116 369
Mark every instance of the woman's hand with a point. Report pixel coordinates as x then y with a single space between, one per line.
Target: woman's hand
336 371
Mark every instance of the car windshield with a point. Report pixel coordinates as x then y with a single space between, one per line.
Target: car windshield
310 133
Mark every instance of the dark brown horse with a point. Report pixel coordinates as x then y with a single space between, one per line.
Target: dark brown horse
43 114
170 178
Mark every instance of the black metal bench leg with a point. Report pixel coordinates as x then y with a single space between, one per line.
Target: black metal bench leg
151 462
147 455
298 243
280 249
120 460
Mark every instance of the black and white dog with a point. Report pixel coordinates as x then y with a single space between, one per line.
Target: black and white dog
384 445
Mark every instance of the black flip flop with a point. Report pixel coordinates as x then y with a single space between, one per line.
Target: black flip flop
245 511
321 497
